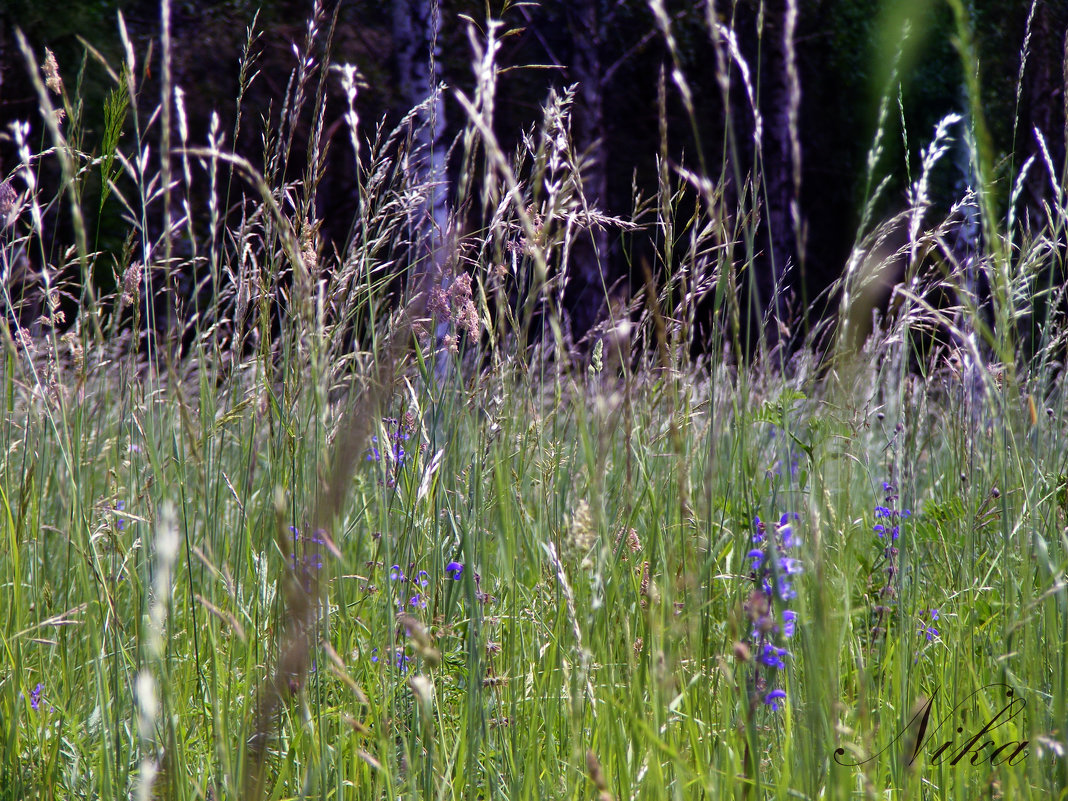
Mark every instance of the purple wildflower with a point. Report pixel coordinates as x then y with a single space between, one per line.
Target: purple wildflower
773 657
929 631
772 620
397 432
789 623
888 511
400 660
307 555
758 531
889 530
773 698
455 570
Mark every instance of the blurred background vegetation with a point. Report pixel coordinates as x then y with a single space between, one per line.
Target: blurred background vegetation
844 49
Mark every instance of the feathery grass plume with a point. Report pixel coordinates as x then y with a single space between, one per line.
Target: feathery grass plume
582 534
794 126
1025 50
349 84
51 71
147 712
8 198
918 193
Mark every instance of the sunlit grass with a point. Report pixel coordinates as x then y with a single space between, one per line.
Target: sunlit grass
307 556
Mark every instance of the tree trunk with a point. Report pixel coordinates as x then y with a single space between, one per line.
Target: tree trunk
590 252
778 164
416 31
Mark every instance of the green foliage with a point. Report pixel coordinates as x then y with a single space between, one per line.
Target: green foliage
777 411
285 541
115 108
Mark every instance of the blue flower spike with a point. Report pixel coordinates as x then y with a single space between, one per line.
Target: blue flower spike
773 622
889 512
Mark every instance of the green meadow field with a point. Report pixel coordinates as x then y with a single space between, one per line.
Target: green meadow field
347 527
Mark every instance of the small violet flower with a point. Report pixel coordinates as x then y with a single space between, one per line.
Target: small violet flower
775 699
400 662
309 556
929 631
767 608
789 622
889 512
773 657
397 432
888 528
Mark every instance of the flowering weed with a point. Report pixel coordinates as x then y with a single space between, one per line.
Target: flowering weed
772 622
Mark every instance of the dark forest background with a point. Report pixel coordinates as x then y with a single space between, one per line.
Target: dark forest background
615 53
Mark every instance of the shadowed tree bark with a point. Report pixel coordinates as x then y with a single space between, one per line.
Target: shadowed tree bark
589 255
416 28
416 32
605 48
780 94
1044 104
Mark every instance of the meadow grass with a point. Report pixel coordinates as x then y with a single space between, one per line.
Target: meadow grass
258 542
